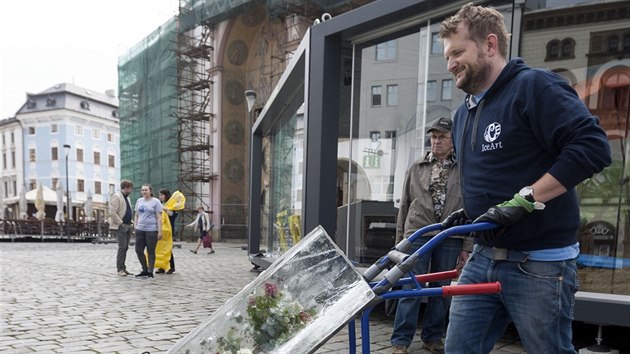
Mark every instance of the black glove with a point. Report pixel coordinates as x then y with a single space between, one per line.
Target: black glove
504 214
455 219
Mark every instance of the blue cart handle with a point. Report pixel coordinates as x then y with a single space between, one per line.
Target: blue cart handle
397 272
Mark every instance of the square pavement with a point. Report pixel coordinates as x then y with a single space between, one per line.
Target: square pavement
58 297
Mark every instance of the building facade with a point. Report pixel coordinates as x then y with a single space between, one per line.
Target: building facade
62 123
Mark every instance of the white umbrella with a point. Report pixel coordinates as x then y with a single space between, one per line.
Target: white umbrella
59 215
87 207
1 201
39 203
22 204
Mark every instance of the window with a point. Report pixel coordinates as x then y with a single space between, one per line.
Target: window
386 50
80 185
31 130
3 140
553 49
13 159
78 130
110 137
447 90
31 155
111 188
55 183
53 128
51 102
12 138
85 105
568 48
54 153
626 43
431 90
4 161
436 44
97 188
31 104
96 134
6 189
97 158
613 43
392 95
32 184
376 95
111 161
79 155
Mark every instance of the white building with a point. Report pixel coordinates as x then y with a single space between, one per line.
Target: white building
35 145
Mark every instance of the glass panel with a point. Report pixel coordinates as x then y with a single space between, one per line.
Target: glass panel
306 296
283 154
602 79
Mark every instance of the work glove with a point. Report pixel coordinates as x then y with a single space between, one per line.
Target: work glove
455 219
504 214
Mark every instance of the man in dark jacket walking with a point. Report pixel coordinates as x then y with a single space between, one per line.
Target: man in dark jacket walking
523 141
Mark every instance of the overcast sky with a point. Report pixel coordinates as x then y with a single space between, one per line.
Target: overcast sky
47 42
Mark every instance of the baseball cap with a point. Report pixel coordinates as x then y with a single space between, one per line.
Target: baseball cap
443 124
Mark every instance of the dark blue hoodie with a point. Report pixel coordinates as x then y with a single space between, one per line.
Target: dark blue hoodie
529 122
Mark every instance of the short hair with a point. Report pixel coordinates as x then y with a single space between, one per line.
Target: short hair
125 183
481 22
166 192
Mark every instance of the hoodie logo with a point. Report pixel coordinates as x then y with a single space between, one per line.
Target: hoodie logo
490 134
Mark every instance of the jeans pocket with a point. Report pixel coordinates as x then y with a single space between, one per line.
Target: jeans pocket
544 270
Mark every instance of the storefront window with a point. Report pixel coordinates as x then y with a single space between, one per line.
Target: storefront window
283 153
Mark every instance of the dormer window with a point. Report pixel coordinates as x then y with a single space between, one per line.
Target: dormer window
51 102
85 105
115 113
30 104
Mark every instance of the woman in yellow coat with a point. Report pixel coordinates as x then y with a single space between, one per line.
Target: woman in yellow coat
164 261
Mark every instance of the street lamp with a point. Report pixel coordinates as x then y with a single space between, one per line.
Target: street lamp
250 95
252 245
67 148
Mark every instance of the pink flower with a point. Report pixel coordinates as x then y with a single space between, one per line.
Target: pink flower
271 289
305 316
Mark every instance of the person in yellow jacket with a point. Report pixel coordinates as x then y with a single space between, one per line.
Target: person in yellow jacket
164 260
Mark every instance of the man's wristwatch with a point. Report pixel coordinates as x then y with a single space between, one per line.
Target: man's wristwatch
527 192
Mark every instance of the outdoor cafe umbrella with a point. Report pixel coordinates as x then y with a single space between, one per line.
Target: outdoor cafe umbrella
59 215
87 207
22 204
1 201
39 203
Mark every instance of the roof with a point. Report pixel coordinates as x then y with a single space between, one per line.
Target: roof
83 92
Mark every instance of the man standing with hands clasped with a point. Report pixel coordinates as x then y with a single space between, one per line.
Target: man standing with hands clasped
120 223
523 141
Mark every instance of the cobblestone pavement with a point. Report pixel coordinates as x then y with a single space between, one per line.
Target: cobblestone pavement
67 298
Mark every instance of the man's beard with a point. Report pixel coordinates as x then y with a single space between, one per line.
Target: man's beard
475 78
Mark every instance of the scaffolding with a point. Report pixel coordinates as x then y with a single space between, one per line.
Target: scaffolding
195 114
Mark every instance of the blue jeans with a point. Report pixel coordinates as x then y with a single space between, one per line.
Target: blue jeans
537 296
444 257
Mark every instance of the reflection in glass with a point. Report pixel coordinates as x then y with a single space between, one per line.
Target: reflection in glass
283 153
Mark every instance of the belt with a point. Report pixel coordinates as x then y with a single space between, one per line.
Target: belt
502 254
